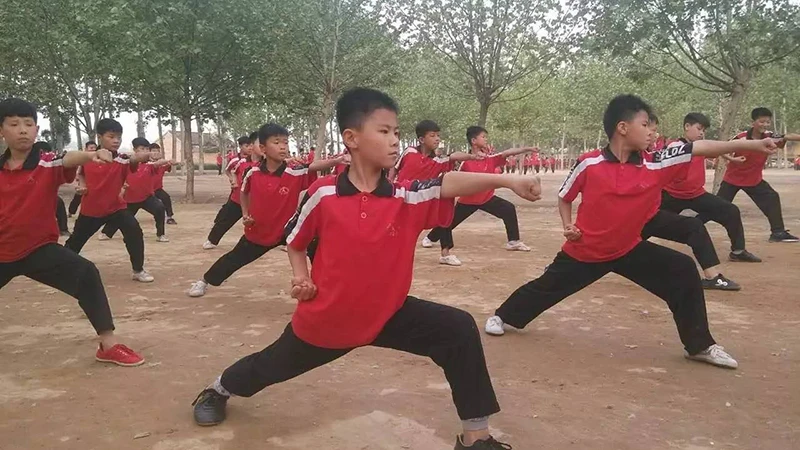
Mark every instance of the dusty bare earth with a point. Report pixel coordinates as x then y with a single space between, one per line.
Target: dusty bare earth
602 370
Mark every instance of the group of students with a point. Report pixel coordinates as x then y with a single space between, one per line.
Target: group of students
531 163
367 220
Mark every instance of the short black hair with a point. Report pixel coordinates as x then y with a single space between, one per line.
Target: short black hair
17 107
355 105
269 130
41 146
653 118
140 142
473 132
243 140
760 112
88 143
155 146
623 108
108 125
253 138
695 117
425 127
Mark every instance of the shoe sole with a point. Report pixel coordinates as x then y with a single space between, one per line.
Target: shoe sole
786 241
710 363
743 260
111 361
494 334
142 281
209 424
195 296
518 250
714 288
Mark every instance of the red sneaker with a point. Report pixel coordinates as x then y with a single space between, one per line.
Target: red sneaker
119 355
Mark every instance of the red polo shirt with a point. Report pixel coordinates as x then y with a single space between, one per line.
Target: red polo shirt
751 171
693 184
141 184
490 164
617 199
104 183
28 204
365 259
273 200
413 165
241 167
158 179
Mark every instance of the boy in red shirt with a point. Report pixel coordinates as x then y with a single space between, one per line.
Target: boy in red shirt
270 194
158 184
367 229
618 192
140 192
485 201
46 151
421 162
29 247
748 175
103 204
689 192
90 146
231 211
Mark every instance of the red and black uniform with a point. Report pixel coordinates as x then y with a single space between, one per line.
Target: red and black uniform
536 163
689 192
617 200
102 204
140 195
61 208
29 236
749 177
273 201
158 189
484 201
413 165
231 211
363 270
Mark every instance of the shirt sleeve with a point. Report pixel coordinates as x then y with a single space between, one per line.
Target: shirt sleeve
671 162
498 160
232 164
423 197
574 183
303 227
246 180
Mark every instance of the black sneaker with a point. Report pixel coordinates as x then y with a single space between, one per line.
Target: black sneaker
783 236
488 444
744 256
171 221
209 408
721 283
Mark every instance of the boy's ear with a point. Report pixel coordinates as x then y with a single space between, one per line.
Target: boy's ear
350 138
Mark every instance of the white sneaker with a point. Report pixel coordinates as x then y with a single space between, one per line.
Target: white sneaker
198 289
162 238
142 277
715 355
517 246
450 260
494 326
427 243
103 237
208 245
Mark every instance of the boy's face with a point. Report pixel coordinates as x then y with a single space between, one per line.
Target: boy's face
762 124
91 148
141 149
377 141
276 148
431 140
110 140
694 132
247 149
637 132
242 147
481 140
19 132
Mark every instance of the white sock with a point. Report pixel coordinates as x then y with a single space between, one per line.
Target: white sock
217 386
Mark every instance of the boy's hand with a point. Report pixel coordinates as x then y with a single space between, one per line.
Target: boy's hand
81 189
571 232
102 156
529 188
303 288
780 143
248 220
234 184
768 145
737 159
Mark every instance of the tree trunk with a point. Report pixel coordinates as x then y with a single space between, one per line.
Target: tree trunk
483 112
221 139
174 139
188 159
729 112
140 123
161 135
200 154
78 132
599 137
322 122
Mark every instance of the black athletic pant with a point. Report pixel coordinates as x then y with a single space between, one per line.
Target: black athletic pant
75 204
61 214
151 205
496 206
162 195
447 335
228 215
241 255
669 274
70 273
685 230
712 208
762 194
86 227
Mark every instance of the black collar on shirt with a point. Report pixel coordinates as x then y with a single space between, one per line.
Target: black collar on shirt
31 161
278 172
345 187
634 158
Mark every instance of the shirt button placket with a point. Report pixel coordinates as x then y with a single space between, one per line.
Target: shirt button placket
363 206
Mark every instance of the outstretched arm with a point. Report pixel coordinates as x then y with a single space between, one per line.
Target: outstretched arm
462 156
516 151
75 159
325 164
712 149
459 184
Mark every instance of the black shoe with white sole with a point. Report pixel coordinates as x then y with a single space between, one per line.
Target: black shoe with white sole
783 236
720 283
488 444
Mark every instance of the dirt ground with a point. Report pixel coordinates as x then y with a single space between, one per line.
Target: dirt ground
602 370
